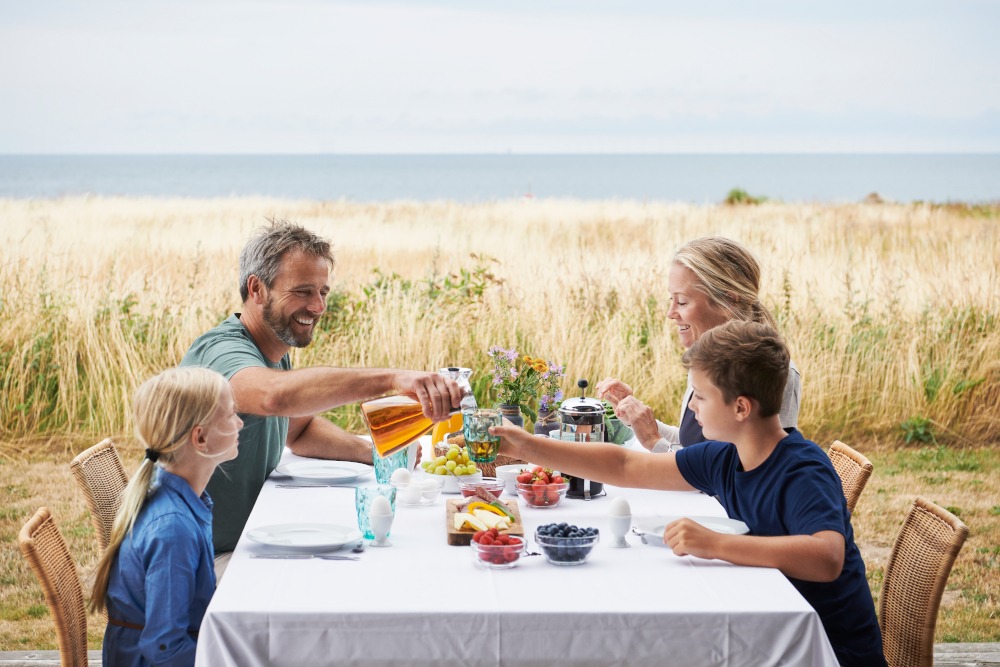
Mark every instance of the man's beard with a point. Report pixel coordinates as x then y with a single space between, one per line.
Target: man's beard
283 329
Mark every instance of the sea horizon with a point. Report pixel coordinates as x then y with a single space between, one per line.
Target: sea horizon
699 178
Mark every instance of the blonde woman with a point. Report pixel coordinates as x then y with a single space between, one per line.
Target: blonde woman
157 576
712 280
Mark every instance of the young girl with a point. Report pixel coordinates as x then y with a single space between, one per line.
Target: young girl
157 576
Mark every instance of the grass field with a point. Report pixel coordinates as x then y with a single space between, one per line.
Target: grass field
890 311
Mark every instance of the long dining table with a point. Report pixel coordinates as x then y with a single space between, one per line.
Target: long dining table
423 602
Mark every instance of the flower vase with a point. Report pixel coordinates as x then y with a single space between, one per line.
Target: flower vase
547 422
512 413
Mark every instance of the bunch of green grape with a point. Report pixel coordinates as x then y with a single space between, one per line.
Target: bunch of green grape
456 460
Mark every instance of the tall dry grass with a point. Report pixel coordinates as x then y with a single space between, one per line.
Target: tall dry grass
891 311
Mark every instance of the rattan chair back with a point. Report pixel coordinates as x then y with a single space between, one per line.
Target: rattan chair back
914 580
101 475
854 469
50 560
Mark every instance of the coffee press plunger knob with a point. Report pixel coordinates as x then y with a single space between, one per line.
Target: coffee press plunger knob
582 384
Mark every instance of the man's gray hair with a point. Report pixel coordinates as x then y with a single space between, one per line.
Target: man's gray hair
262 254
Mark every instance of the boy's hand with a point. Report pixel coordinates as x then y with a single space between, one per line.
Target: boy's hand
613 391
511 438
686 537
639 416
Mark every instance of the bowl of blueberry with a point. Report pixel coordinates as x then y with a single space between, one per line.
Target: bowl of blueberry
564 544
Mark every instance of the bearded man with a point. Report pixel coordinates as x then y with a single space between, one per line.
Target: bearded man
284 282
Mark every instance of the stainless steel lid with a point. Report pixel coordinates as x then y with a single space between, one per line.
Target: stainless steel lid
582 411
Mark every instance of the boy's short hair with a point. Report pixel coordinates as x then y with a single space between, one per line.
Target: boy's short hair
743 359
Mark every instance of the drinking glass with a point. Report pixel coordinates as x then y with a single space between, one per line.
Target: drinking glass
384 467
482 446
363 497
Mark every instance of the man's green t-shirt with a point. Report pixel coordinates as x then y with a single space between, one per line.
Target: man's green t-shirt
235 484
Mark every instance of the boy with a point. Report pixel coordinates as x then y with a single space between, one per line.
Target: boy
778 483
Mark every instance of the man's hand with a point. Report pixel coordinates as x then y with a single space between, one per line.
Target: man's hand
613 391
637 415
686 537
437 394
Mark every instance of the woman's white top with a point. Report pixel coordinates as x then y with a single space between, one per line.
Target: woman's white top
789 414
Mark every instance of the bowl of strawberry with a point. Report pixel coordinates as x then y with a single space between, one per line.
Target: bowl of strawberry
495 550
541 487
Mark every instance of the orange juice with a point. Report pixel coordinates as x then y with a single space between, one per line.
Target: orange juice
394 422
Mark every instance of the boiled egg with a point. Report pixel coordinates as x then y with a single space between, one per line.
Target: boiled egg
380 506
400 477
619 507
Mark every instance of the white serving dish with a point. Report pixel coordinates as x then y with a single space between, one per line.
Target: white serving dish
509 475
653 528
451 484
304 537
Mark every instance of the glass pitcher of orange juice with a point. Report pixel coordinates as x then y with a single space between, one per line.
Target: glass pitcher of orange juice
396 421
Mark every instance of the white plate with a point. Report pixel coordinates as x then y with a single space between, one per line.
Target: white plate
331 472
654 527
304 537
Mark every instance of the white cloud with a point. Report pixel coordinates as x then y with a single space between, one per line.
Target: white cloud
327 77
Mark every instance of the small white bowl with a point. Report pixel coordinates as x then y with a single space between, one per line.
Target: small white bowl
509 475
451 484
421 490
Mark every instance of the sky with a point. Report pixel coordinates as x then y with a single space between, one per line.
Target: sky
169 76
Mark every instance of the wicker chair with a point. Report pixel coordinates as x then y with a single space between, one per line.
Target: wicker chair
914 580
854 470
49 558
101 475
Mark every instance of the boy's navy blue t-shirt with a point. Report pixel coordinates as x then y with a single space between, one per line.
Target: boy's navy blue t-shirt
796 491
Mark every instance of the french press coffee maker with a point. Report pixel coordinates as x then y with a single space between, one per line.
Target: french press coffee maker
582 421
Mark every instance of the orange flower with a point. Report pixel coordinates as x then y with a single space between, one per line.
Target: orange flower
528 359
541 368
541 362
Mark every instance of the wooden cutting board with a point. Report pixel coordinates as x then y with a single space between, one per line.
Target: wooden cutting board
462 538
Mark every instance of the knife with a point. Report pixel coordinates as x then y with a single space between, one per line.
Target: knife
303 556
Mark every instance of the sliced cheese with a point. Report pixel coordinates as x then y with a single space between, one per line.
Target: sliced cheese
487 517
474 522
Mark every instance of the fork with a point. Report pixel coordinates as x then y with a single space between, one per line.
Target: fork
303 486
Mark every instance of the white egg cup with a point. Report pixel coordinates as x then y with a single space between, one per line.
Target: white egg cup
619 527
380 525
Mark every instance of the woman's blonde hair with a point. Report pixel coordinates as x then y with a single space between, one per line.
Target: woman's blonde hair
166 409
728 275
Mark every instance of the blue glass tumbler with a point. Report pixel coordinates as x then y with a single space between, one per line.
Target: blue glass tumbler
384 467
363 497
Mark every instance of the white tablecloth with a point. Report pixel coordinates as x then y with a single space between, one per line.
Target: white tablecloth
422 602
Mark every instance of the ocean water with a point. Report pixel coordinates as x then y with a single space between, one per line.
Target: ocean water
479 178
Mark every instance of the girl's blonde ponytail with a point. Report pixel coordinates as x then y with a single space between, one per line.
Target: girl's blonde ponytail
166 409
